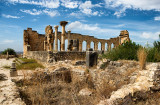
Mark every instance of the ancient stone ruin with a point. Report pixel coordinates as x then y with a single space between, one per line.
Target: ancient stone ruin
40 47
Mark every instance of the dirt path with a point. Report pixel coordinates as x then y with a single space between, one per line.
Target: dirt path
9 94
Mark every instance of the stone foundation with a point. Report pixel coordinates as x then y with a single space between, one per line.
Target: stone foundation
59 56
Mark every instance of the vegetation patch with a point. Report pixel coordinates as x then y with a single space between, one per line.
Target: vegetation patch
27 64
7 67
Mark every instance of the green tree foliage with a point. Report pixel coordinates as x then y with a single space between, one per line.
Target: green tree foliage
10 51
127 51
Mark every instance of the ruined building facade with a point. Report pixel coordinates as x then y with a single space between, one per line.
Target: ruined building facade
49 42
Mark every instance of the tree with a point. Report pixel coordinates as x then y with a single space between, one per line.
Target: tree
9 50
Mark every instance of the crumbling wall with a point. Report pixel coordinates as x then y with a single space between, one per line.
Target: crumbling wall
38 55
42 56
34 40
61 56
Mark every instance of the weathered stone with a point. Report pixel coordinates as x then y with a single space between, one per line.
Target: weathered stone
3 77
91 58
13 71
85 92
7 58
80 63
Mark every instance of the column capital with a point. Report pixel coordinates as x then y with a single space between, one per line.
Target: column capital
56 26
63 23
69 31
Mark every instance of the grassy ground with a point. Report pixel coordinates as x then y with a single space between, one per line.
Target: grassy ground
27 64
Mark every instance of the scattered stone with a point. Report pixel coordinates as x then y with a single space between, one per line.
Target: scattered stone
3 77
80 63
13 71
91 58
85 92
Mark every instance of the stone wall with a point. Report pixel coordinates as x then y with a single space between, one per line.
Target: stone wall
34 40
38 55
42 56
61 56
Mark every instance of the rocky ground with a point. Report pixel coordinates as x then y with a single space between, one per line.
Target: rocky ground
70 82
9 94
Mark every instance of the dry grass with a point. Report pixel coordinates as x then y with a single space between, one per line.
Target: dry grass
43 89
28 64
142 56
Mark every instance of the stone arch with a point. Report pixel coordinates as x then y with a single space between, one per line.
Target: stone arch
106 46
92 45
59 45
84 45
99 45
66 44
112 46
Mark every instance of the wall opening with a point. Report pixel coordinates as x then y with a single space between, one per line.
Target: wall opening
84 45
99 46
92 45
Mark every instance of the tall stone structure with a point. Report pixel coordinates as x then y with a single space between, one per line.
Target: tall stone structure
49 42
63 24
56 38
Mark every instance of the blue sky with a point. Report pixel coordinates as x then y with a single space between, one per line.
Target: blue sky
99 18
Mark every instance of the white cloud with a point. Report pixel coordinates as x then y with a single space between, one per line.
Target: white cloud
151 35
92 28
10 16
51 13
122 5
70 4
157 18
6 41
43 3
32 12
87 6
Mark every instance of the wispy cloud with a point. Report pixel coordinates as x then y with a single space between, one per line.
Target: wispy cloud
39 12
157 18
10 16
70 4
150 35
43 3
87 6
120 6
7 41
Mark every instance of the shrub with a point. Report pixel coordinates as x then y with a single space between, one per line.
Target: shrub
142 56
127 51
10 51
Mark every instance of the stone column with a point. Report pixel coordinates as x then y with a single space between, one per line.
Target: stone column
13 71
103 46
56 38
88 45
80 45
69 37
109 46
95 46
7 58
63 24
44 45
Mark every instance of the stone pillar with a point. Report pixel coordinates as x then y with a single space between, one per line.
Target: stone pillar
103 46
95 46
56 38
69 36
63 24
80 45
7 58
44 45
13 71
109 46
88 45
91 58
